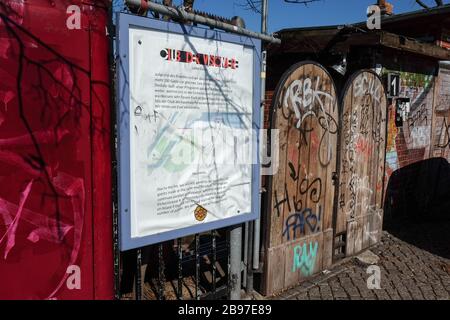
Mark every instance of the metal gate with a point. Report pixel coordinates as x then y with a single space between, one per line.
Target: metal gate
195 267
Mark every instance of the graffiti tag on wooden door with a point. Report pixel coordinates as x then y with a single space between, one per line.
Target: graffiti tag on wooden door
305 112
362 160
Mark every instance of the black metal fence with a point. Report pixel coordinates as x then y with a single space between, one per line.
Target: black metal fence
194 267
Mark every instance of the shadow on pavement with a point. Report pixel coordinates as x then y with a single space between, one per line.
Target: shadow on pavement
417 205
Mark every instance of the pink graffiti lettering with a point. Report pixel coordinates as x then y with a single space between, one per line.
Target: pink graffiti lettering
10 233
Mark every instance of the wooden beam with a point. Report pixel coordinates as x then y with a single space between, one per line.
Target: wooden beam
358 40
394 41
397 42
316 41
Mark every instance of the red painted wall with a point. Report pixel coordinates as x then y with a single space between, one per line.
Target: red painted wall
55 165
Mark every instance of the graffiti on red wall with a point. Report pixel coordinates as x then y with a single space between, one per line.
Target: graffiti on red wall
44 164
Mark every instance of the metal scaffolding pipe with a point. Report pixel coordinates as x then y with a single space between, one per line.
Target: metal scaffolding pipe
246 250
235 261
257 223
183 15
249 280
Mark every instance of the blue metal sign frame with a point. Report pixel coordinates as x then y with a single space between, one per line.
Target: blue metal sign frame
124 23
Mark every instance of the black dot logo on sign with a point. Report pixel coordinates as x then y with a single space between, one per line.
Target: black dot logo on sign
164 53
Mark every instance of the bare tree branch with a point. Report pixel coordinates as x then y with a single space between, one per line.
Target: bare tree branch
305 2
439 2
253 5
423 5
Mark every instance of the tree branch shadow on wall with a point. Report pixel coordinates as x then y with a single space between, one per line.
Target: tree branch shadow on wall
417 205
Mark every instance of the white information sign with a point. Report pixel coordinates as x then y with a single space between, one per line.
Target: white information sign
191 139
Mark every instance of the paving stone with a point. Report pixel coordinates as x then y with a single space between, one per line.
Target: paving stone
393 295
404 295
302 296
381 294
367 258
407 273
314 293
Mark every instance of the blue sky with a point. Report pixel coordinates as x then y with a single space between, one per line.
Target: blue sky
284 15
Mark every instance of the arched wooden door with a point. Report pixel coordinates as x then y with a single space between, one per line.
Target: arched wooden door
361 164
301 193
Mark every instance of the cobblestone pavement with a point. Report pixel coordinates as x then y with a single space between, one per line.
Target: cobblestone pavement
408 272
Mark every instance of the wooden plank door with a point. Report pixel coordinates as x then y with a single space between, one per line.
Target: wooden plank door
361 164
302 192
